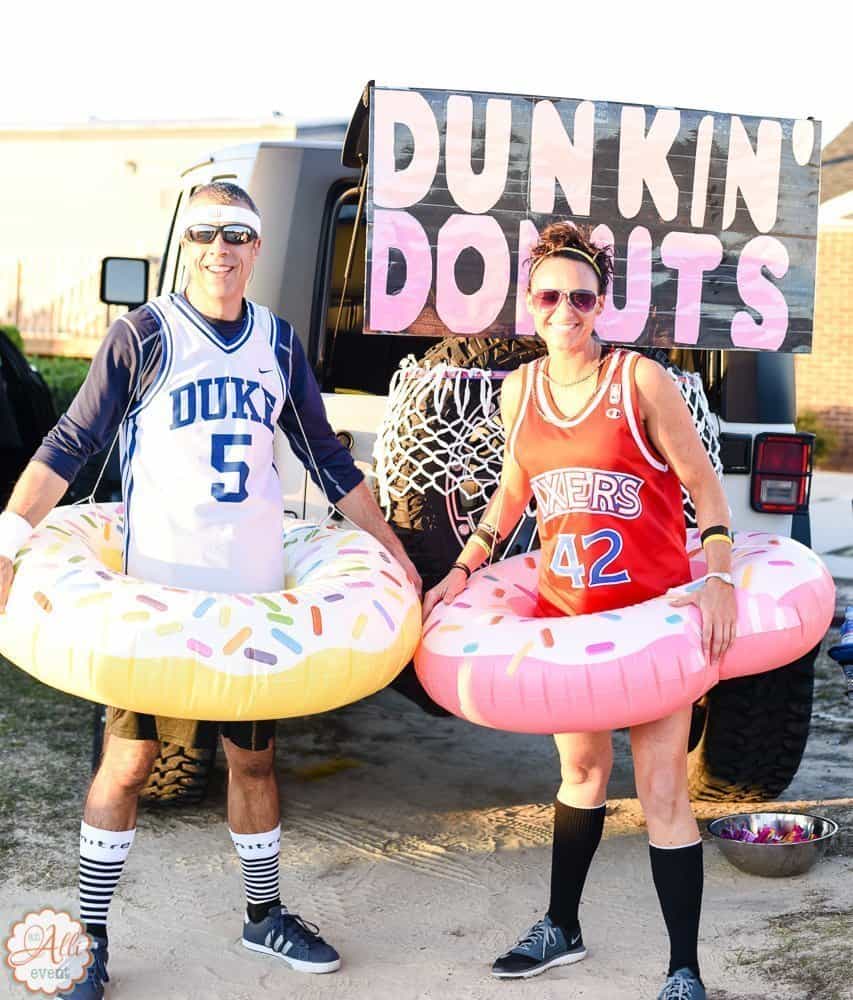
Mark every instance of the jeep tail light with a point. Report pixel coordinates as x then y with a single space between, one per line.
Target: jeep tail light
782 473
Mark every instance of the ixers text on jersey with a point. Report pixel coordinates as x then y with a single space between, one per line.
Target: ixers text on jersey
587 491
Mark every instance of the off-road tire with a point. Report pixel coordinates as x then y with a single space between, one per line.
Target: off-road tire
754 734
179 777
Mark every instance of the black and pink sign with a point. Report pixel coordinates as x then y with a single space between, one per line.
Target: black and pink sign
713 217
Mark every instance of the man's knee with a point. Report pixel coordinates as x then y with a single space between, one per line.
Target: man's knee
249 765
127 763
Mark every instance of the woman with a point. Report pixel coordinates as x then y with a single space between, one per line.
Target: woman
581 409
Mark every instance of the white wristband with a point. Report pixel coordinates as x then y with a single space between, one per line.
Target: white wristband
14 532
691 585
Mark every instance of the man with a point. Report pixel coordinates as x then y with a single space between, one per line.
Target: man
195 384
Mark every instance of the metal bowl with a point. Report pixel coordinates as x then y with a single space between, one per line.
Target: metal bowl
774 860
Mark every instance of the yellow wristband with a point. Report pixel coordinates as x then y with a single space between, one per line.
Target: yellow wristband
717 538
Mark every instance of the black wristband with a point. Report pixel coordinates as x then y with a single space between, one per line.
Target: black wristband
716 529
465 569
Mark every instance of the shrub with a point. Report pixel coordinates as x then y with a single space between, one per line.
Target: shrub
826 439
14 334
64 376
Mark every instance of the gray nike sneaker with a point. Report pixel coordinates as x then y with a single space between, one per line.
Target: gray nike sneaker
542 947
683 985
288 936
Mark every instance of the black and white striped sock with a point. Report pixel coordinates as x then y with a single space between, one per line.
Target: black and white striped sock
102 857
258 853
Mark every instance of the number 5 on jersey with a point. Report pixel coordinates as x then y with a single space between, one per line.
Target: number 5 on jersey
219 452
566 563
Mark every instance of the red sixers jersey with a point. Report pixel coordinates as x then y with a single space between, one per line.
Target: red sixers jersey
609 509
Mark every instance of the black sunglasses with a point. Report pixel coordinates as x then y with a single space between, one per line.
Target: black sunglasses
234 232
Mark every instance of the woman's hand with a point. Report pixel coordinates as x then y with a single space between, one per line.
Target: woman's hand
446 590
716 603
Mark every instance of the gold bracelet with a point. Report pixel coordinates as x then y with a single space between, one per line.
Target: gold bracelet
487 536
483 545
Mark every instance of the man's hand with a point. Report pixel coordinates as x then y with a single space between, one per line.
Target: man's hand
395 547
409 568
361 508
35 494
716 602
6 575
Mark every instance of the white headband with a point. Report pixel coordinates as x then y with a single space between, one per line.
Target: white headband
208 214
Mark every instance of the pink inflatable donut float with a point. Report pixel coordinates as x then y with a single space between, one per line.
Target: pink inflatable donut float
485 659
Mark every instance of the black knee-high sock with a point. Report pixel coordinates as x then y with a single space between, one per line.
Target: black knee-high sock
577 834
678 878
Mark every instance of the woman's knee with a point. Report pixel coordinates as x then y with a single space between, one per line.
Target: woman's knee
577 772
662 790
585 767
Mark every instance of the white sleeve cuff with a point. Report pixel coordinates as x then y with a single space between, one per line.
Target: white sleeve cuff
14 532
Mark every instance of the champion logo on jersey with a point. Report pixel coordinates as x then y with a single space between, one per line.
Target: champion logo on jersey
614 413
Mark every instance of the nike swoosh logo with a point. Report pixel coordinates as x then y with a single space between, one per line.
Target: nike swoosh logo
574 940
264 371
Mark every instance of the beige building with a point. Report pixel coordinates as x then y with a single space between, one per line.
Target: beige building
71 195
825 377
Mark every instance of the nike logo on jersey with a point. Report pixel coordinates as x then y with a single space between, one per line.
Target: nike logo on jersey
588 491
264 371
223 398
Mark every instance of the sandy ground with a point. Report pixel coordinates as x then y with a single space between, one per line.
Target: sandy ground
420 846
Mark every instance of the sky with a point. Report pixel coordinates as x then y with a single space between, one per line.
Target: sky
309 60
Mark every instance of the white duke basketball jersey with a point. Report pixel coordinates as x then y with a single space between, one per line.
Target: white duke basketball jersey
201 491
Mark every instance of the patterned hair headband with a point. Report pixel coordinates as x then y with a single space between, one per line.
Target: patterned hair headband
569 250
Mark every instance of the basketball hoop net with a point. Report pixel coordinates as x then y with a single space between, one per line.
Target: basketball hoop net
442 431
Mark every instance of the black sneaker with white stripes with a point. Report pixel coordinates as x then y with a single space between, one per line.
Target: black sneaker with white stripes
288 936
542 947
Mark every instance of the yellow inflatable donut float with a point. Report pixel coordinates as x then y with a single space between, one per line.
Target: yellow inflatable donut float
345 625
